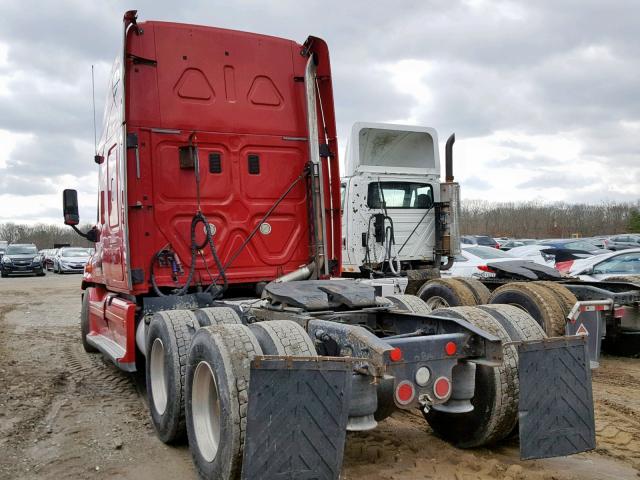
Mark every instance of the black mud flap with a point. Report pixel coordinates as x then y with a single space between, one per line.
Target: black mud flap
556 400
297 418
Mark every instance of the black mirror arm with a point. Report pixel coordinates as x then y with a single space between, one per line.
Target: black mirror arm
93 235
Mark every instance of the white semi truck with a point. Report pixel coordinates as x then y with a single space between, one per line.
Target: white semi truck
400 229
399 221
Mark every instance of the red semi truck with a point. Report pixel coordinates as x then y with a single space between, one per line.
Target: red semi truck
217 243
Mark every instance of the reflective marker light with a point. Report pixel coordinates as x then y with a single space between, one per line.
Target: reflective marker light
442 388
405 393
450 348
395 355
422 376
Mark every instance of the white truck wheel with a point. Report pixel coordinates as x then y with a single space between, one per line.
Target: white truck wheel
167 345
217 385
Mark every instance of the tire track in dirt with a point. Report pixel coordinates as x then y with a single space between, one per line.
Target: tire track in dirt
617 409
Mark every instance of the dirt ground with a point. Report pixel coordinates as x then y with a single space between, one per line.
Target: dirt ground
66 414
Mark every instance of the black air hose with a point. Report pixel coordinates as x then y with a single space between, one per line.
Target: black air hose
195 247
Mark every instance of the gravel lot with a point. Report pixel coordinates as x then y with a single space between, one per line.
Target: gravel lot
66 414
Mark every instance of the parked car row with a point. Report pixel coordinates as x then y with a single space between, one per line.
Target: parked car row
24 258
593 245
475 260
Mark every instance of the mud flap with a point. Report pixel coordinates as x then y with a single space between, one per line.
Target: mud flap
297 418
587 318
556 399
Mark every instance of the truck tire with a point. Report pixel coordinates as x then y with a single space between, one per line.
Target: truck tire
446 292
217 398
519 324
84 323
410 303
495 401
537 301
283 337
625 279
479 290
167 345
564 296
217 316
521 327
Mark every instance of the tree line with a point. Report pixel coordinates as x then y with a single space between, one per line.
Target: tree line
548 220
42 235
507 219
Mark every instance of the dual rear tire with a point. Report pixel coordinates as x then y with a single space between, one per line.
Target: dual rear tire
496 397
549 303
198 367
453 292
217 388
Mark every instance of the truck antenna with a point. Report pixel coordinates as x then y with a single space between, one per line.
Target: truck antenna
93 95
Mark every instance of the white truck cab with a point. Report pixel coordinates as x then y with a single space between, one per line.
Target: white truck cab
397 215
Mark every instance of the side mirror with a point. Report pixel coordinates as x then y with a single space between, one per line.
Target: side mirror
70 207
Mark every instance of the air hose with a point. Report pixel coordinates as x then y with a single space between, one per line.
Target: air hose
195 248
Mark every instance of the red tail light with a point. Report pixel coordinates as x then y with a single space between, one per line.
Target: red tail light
442 388
405 391
484 268
450 348
564 266
395 355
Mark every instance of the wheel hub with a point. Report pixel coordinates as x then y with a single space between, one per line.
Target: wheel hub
436 302
205 404
158 377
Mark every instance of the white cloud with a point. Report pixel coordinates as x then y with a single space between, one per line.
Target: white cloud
538 93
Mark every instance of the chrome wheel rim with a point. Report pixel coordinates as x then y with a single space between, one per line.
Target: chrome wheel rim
205 404
436 302
158 378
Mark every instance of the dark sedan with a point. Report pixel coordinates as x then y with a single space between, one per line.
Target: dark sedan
578 245
21 259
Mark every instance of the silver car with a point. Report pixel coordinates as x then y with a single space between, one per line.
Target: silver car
70 260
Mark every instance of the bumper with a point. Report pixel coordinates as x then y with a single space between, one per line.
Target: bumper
71 268
21 269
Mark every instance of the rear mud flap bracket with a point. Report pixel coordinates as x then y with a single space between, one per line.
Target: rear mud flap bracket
556 399
297 417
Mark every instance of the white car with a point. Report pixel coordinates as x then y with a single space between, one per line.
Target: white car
473 259
615 264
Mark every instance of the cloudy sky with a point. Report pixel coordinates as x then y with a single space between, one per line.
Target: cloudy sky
544 96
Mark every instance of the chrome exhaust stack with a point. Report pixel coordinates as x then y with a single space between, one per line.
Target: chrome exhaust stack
317 181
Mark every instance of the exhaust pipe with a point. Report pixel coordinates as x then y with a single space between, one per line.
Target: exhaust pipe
299 274
448 152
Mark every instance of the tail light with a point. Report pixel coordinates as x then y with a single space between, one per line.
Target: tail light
405 392
564 267
484 268
423 375
442 388
395 355
450 348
